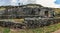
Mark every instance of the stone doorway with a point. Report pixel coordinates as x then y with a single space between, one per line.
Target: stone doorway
46 14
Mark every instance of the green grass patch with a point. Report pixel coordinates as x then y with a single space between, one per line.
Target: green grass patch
6 30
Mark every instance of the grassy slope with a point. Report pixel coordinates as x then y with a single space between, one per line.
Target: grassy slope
57 10
2 8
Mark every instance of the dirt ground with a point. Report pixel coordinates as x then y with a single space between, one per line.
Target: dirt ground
58 31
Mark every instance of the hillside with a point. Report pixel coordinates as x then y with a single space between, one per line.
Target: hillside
57 10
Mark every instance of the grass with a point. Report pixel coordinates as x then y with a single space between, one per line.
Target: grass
2 8
6 30
46 29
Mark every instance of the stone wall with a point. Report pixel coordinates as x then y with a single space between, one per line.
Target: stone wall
25 11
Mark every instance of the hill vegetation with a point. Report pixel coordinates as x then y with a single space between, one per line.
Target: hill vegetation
57 11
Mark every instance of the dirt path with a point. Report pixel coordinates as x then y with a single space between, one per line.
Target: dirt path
58 31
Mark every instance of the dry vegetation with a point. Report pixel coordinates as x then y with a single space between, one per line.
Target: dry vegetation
57 10
2 8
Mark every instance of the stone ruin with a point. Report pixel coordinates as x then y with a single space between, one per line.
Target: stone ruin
27 11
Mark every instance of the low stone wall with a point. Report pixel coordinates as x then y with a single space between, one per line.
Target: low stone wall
29 24
11 24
